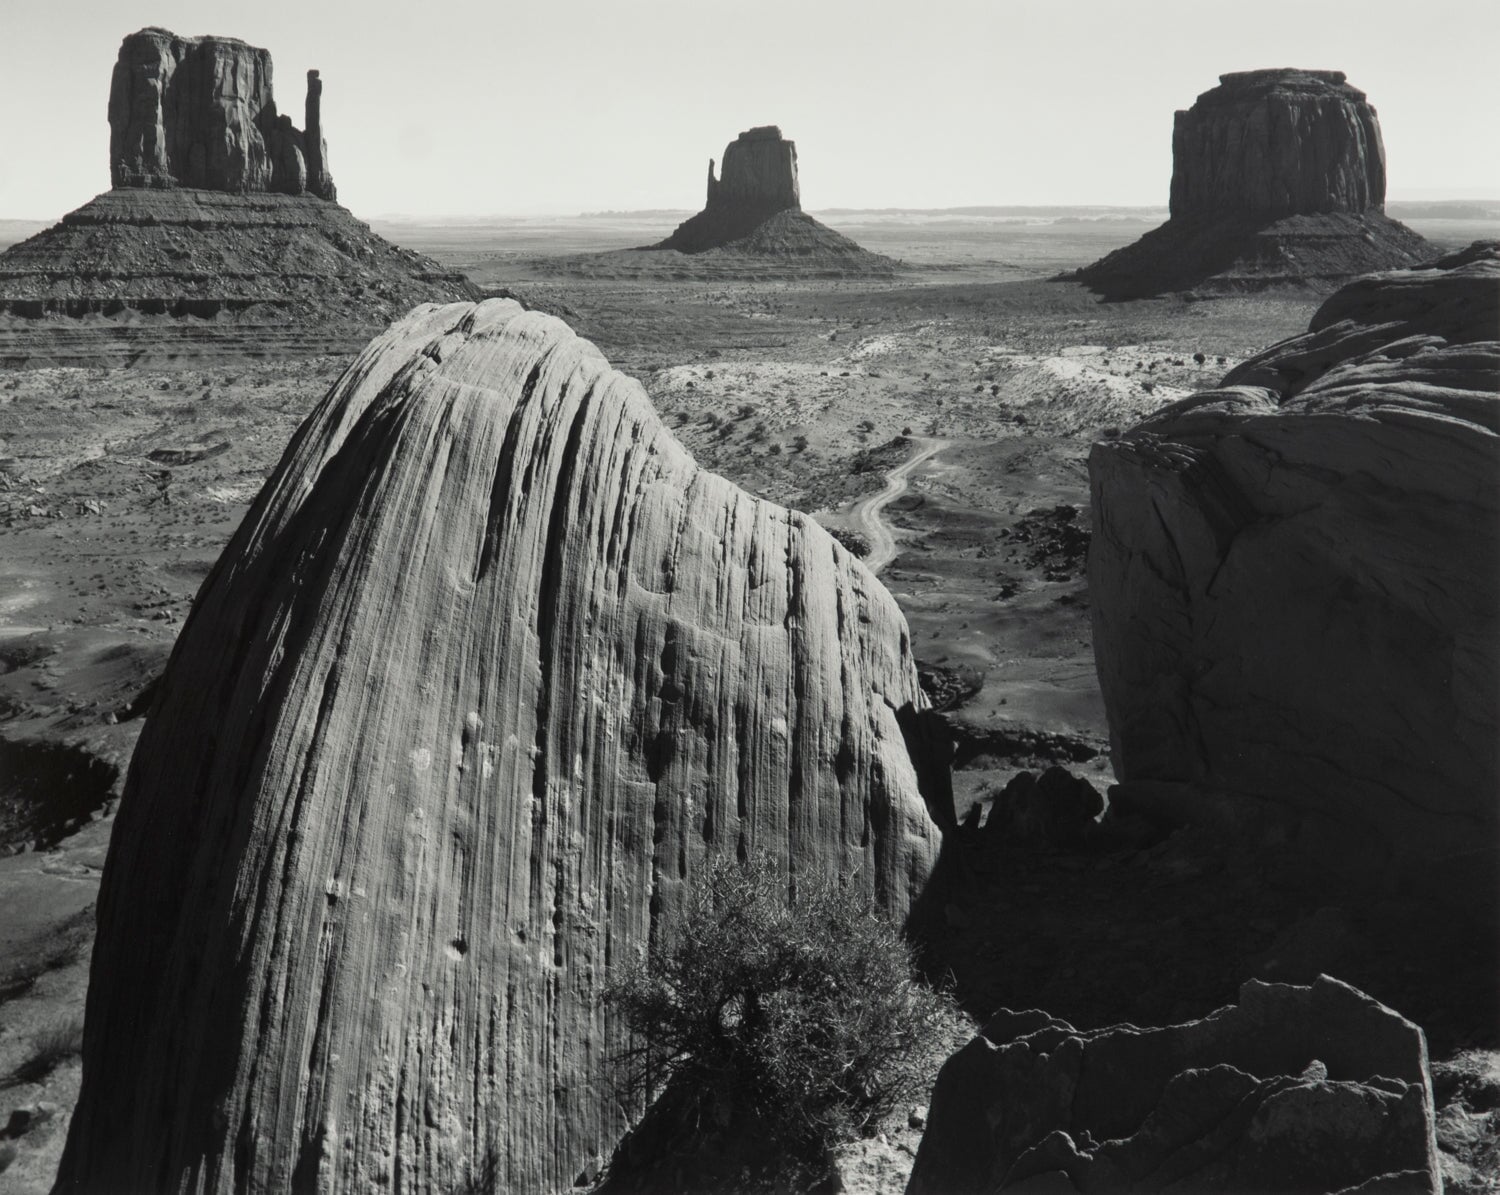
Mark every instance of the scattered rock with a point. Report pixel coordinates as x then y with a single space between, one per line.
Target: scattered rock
487 675
1278 177
1295 1089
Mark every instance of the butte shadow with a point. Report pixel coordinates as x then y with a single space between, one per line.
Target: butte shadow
1278 179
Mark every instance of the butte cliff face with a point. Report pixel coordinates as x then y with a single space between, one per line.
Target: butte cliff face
199 112
222 211
489 673
1294 589
754 210
1278 176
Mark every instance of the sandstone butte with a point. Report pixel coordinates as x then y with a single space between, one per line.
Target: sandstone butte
489 673
753 215
1294 591
220 235
1278 177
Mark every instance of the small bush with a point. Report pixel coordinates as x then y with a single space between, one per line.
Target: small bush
49 1050
805 1016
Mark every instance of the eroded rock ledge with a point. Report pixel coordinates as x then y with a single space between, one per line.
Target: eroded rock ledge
490 671
1294 1089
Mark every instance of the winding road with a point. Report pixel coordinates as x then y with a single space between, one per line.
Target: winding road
865 514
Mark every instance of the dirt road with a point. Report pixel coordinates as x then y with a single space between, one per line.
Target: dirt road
866 512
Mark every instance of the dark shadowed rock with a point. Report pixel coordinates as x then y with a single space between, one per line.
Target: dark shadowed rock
1294 592
1056 808
489 673
1278 177
1295 1089
199 112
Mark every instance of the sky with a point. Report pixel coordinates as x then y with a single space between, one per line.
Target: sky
530 107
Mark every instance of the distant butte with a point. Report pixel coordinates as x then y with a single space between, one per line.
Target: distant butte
1278 176
221 233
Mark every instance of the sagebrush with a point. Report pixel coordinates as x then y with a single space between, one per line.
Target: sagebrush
805 1015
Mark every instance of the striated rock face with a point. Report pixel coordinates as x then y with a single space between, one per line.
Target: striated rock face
1278 178
1295 1089
199 112
490 671
1293 584
1272 143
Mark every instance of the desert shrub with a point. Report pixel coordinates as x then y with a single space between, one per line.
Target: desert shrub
802 1015
799 443
50 1049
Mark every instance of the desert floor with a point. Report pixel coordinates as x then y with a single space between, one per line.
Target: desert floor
943 418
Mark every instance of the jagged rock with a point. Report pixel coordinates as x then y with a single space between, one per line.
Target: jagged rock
490 671
1056 808
199 112
1295 1089
1278 177
1293 587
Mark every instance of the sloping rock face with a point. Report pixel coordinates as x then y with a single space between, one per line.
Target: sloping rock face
488 674
1294 592
1278 178
1275 143
199 113
1295 1089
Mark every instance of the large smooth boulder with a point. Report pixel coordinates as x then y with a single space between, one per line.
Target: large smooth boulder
1294 1089
1294 587
488 675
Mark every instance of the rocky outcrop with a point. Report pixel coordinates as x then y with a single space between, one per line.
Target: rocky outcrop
1278 177
488 674
1272 143
199 113
1295 1089
1294 593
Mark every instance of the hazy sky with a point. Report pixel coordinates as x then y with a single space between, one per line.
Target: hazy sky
454 107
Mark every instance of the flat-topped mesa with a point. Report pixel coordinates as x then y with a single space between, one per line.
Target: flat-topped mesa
199 112
758 180
1278 179
1274 143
